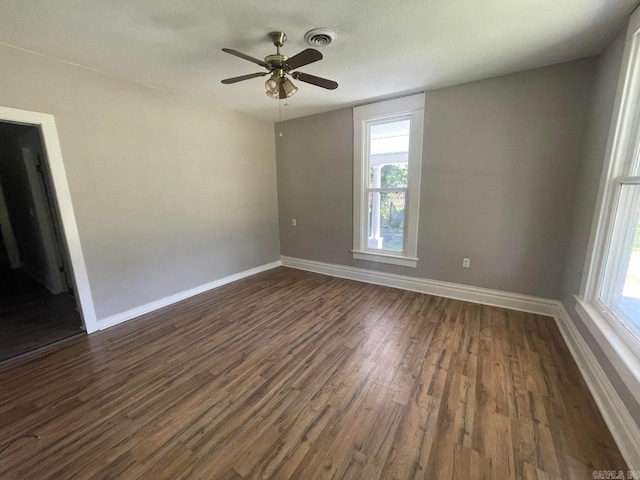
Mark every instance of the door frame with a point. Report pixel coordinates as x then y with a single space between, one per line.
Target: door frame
47 126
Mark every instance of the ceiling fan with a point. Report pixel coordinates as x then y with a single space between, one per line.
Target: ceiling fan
279 86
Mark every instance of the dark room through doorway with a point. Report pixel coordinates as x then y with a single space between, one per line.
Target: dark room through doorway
37 301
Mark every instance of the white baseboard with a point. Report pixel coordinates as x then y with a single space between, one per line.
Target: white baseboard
484 296
165 302
623 427
625 430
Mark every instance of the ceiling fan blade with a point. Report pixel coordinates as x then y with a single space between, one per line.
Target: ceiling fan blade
313 80
245 56
303 58
227 81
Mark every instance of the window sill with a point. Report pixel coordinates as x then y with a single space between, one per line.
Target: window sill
385 258
620 345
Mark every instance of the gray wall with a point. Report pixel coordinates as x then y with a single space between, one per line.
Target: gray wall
499 167
582 214
169 192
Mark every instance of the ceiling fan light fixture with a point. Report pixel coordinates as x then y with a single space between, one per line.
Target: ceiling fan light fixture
289 88
275 95
273 84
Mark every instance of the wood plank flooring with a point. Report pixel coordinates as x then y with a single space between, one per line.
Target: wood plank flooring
294 375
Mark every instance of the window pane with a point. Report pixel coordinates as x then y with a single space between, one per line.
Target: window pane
634 169
621 289
630 300
386 221
389 154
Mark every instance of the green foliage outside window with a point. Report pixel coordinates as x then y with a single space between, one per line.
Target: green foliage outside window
392 205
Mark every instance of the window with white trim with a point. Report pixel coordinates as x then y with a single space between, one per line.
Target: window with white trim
609 301
620 286
615 282
386 195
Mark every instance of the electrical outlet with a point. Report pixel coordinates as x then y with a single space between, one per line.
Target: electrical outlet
466 262
293 222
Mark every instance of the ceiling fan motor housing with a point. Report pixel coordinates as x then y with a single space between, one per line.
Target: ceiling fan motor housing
276 60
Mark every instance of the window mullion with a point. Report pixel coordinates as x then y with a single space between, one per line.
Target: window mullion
628 180
387 189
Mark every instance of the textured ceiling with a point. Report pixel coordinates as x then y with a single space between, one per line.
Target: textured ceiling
383 47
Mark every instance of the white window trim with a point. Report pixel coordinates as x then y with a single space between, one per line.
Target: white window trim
618 341
413 105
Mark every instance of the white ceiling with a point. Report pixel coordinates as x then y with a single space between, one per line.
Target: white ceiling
383 47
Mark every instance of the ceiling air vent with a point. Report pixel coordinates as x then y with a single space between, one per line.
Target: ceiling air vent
319 37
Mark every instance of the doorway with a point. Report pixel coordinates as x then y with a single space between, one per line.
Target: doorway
38 303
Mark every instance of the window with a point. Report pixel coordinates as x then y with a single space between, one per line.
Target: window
620 287
609 301
387 163
614 284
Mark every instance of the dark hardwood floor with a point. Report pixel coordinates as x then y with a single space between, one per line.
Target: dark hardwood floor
294 375
31 316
